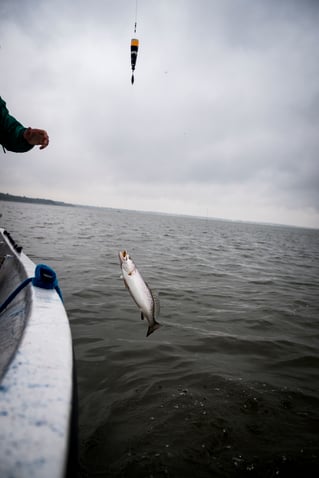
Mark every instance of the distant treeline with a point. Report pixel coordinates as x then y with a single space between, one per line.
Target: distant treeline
49 202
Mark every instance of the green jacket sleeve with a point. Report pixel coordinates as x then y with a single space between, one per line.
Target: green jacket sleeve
11 132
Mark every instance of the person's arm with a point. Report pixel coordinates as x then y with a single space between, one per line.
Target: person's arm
15 137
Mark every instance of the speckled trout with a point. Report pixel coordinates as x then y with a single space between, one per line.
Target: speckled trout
142 295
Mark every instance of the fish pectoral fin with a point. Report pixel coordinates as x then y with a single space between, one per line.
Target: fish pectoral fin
142 316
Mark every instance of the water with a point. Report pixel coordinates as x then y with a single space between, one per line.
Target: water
229 385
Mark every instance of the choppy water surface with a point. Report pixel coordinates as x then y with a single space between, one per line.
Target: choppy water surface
229 385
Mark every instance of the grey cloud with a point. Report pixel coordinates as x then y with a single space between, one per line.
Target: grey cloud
225 99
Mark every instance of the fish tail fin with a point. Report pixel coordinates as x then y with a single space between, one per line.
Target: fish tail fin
152 328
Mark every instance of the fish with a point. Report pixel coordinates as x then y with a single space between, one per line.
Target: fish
146 300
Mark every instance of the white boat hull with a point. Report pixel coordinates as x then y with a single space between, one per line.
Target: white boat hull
36 389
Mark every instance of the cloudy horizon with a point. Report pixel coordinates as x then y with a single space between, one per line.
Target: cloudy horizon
222 120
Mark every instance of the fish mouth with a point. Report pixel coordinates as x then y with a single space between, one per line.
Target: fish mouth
123 255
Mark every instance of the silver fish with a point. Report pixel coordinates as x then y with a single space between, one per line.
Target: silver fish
142 295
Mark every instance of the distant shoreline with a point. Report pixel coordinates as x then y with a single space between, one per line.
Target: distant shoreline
25 199
50 202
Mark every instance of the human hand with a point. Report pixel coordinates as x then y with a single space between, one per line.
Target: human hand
36 137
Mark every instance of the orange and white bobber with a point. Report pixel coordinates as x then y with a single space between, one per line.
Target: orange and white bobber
134 50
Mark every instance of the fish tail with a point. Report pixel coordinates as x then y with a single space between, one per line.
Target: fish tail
152 328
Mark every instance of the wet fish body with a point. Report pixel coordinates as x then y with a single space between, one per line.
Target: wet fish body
142 295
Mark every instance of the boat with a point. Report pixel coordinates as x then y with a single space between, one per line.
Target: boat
38 411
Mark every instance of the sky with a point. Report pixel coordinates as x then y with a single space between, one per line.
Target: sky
222 120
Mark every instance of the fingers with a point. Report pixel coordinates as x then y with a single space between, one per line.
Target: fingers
45 140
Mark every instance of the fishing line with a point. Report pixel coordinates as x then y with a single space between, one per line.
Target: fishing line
135 16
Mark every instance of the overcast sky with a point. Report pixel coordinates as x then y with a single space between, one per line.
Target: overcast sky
222 120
